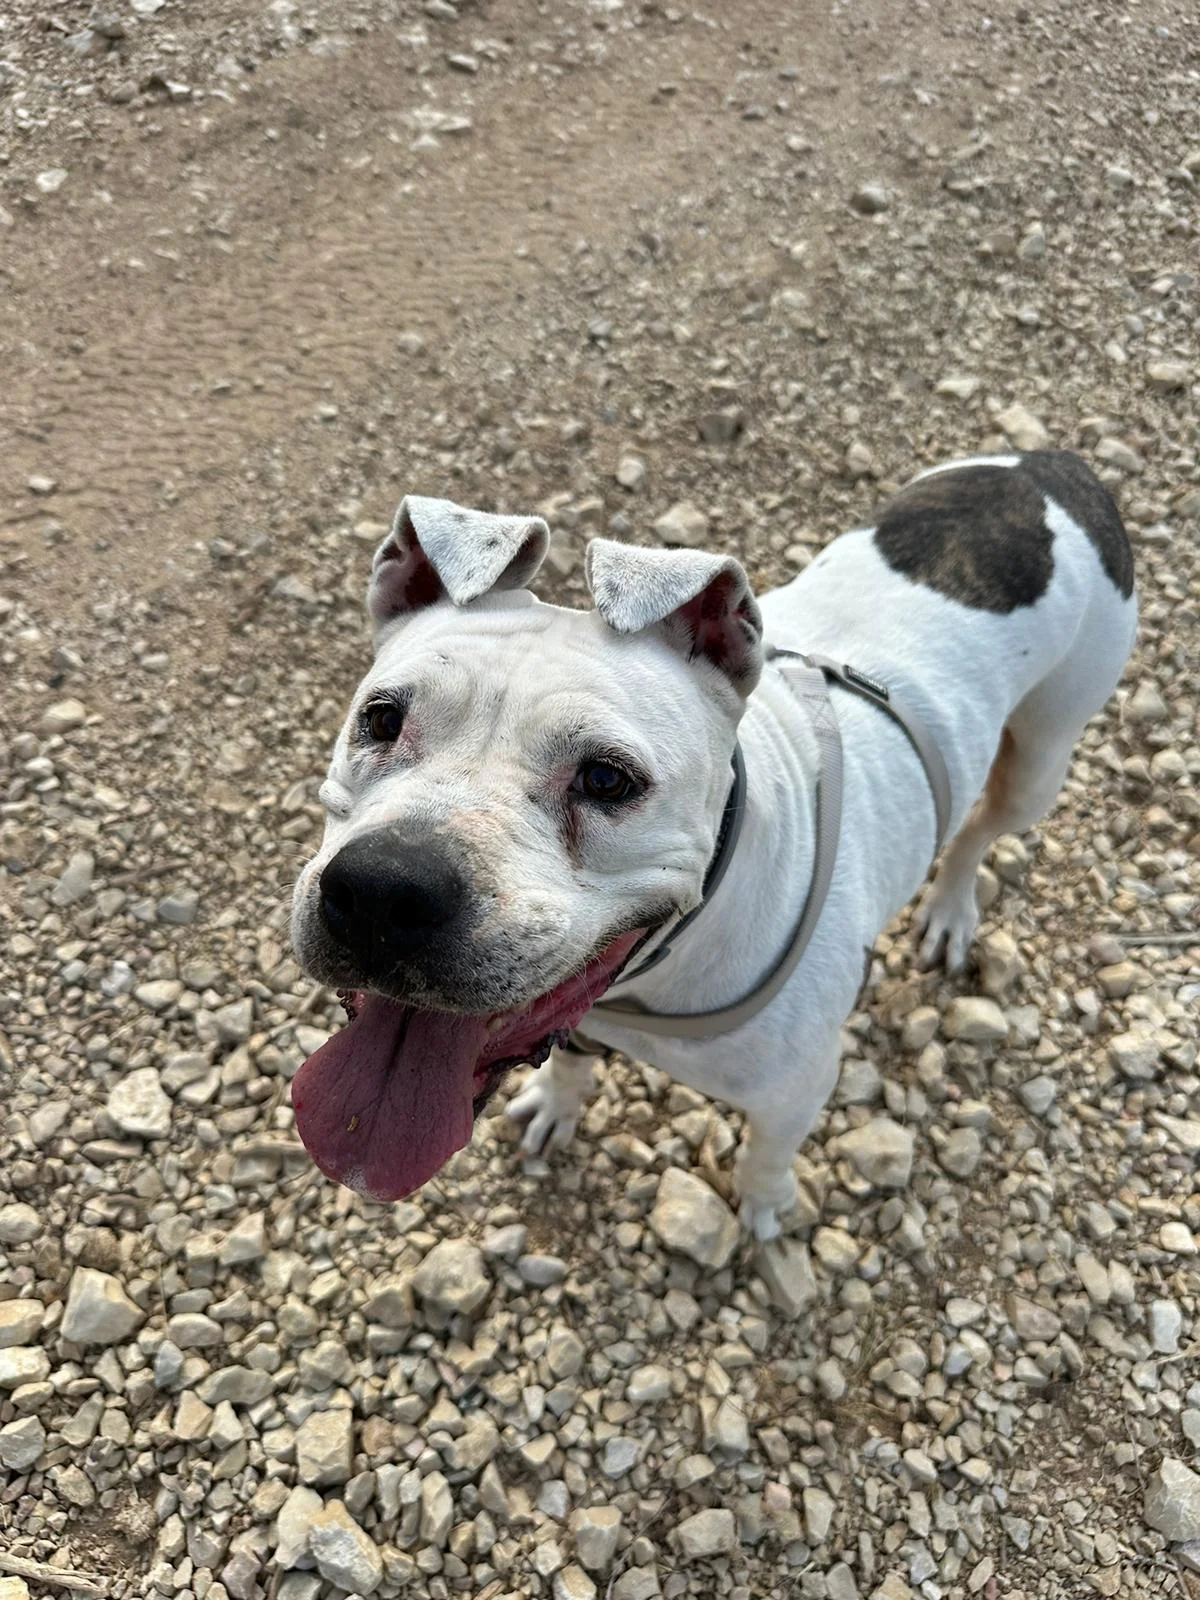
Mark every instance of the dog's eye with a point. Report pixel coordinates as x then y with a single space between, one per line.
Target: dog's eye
602 781
383 721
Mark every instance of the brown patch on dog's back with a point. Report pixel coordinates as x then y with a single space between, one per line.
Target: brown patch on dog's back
976 534
1068 480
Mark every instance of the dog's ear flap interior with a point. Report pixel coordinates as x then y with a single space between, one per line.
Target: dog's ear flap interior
437 550
701 602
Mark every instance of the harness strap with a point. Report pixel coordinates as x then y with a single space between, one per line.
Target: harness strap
930 756
808 678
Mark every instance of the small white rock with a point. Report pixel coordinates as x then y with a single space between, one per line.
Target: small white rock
683 524
693 1220
881 1151
1172 1501
975 1020
139 1105
1023 428
452 1278
98 1309
707 1533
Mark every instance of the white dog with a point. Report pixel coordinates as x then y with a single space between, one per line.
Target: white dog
526 800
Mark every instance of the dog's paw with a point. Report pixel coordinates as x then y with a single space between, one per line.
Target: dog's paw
946 924
761 1222
764 1199
548 1116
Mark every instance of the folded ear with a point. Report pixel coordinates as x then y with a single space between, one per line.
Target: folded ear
439 551
701 602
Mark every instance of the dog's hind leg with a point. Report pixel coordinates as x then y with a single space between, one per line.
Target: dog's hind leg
1022 785
551 1102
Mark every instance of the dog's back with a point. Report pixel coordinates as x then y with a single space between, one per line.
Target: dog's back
997 590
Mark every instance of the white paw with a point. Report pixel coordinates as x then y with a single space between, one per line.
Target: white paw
761 1222
764 1198
947 923
550 1117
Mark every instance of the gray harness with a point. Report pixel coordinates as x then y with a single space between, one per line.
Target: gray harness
808 677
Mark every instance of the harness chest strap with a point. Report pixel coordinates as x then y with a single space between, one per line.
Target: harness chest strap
808 678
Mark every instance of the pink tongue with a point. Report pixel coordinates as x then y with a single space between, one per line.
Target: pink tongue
380 1125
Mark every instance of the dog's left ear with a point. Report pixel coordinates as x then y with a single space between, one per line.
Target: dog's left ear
701 602
439 551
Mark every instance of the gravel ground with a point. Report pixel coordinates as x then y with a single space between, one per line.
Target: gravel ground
262 270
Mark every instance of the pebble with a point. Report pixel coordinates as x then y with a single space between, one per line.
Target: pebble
98 1309
64 716
1038 1094
706 1534
786 1269
683 524
1000 963
21 1444
959 387
21 1364
343 1553
723 426
159 994
1032 1321
1116 453
870 199
324 1448
139 1106
76 880
647 1385
690 1219
1171 1504
437 1510
919 1028
819 1510
20 1320
961 1152
1168 376
179 910
1135 1055
572 1583
1177 1238
19 1223
881 1151
452 1278
293 1526
975 1020
1025 430
597 1531
1164 1324
631 473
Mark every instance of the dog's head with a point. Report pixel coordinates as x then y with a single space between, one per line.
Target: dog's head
519 794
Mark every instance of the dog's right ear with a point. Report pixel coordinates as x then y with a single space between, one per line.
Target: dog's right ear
439 551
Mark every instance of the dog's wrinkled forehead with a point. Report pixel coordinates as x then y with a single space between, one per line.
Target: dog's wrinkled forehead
509 657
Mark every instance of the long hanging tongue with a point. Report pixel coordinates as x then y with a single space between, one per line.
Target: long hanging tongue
381 1124
389 1099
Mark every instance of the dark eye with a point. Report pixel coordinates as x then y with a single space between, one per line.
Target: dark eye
383 721
600 780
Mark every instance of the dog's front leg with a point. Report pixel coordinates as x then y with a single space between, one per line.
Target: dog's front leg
766 1180
550 1104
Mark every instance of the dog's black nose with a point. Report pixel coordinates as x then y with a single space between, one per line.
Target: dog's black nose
382 899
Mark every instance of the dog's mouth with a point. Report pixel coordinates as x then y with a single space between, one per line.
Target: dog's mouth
390 1098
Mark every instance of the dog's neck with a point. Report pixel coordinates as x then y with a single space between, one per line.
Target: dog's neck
767 879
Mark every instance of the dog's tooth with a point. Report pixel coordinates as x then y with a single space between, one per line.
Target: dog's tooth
499 1023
